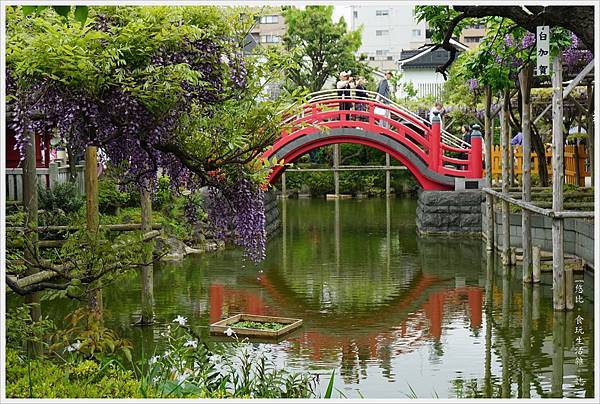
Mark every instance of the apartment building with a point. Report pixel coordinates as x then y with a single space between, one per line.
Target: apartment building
386 31
472 34
269 29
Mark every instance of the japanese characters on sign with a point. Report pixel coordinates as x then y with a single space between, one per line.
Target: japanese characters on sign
579 331
543 50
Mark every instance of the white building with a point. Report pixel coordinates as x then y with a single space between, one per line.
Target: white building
418 67
386 31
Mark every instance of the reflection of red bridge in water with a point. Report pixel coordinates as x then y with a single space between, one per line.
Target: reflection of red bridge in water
420 323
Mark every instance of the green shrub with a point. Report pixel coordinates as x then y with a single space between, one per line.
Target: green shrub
63 196
163 198
43 378
110 199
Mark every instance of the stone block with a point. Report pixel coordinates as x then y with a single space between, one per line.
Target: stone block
569 236
435 209
470 220
515 219
515 230
538 232
537 221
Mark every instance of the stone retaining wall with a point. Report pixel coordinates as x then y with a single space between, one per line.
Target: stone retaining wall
578 237
272 219
446 213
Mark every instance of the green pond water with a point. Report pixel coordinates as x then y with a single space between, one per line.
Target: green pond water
395 315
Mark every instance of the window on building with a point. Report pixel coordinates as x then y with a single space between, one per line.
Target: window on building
269 19
381 52
476 26
473 39
355 14
416 32
371 57
270 38
380 13
382 32
390 58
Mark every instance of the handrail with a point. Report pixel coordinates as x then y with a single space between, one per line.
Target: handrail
446 136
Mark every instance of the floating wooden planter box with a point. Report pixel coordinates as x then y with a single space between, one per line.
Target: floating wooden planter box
289 324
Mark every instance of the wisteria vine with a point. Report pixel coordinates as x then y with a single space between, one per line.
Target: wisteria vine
238 208
137 138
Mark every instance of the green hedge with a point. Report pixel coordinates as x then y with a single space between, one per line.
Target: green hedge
44 378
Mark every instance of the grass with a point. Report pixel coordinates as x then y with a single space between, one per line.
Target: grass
258 325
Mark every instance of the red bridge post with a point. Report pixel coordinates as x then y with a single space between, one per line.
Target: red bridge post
435 140
475 163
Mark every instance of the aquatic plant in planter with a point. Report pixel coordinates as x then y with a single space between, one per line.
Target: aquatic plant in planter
249 325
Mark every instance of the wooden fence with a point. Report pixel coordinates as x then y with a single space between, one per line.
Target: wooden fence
571 156
54 174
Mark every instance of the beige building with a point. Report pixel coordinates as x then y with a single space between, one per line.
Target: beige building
472 34
269 29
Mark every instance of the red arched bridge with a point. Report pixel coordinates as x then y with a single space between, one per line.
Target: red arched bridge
435 157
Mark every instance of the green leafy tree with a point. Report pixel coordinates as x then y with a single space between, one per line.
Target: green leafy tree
321 47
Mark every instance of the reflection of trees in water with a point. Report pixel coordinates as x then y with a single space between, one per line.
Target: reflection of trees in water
532 343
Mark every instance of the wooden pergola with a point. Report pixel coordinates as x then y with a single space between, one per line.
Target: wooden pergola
562 277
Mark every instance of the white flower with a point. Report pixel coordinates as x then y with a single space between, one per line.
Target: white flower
214 358
229 332
166 354
191 342
181 320
181 377
153 360
155 379
74 346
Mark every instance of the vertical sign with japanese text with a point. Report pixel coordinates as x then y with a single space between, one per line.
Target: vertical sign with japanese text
543 50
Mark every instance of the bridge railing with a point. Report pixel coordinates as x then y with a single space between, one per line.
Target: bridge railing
453 156
414 136
447 137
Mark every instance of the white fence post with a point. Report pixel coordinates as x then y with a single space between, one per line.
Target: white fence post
53 174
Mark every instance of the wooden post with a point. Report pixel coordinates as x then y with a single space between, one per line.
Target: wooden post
30 203
558 270
283 186
526 335
558 325
511 162
569 288
147 274
336 173
489 310
536 302
53 174
92 215
506 322
387 175
525 82
488 138
537 264
505 178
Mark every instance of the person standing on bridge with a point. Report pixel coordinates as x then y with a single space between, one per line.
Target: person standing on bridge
361 93
439 108
343 86
383 96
